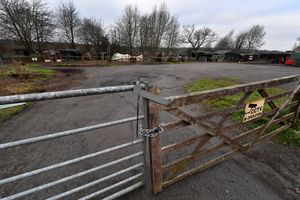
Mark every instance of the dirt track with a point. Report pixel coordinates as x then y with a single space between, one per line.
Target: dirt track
269 172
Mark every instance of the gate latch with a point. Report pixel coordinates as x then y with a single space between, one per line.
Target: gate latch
140 92
151 132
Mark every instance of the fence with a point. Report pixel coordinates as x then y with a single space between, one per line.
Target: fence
219 136
129 182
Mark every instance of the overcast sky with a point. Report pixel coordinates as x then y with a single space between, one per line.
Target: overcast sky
280 17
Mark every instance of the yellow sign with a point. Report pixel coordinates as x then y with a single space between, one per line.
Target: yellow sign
253 109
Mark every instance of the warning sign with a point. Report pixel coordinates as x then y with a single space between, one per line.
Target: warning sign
253 110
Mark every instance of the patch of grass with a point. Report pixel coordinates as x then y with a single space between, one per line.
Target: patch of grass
289 137
42 71
210 83
33 65
20 79
8 113
25 71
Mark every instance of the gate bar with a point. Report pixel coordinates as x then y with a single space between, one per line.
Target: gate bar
63 94
95 182
124 191
66 133
65 163
112 186
68 178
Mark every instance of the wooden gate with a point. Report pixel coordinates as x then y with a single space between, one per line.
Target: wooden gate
219 134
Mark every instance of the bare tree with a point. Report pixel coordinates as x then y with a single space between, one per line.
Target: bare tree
117 45
128 27
26 22
93 34
198 38
144 32
158 20
240 40
188 35
155 27
172 36
297 44
16 21
69 22
255 37
42 18
226 42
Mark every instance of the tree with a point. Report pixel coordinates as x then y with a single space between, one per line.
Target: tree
144 32
297 43
115 40
156 27
158 21
69 22
26 22
42 19
226 42
128 27
172 36
255 37
198 38
16 21
93 34
240 40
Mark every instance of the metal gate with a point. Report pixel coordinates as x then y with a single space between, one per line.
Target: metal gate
128 176
217 136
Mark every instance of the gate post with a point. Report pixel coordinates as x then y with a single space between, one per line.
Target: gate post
145 104
154 145
296 109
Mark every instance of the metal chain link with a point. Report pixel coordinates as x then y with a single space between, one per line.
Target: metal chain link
151 132
141 131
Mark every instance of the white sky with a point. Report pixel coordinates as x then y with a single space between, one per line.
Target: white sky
280 17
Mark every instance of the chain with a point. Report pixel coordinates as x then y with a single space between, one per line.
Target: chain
151 132
139 81
139 129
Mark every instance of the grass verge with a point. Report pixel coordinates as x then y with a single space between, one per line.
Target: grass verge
20 79
290 137
7 113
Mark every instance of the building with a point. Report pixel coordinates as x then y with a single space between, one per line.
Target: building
295 57
202 55
10 48
226 56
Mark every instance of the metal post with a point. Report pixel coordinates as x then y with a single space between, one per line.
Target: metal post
145 104
154 145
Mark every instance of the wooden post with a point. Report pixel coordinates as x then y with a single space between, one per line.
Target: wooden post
154 145
296 109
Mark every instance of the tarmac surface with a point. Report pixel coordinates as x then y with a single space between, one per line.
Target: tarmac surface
268 172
